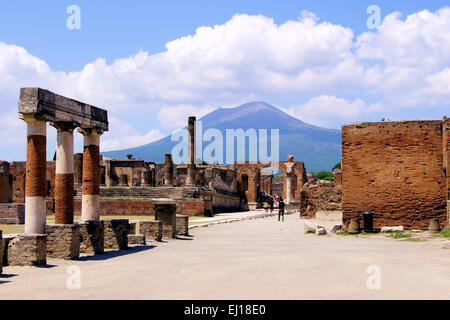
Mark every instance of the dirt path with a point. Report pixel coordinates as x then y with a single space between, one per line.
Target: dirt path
257 259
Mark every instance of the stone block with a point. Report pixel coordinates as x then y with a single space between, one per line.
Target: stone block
5 242
182 226
27 250
136 239
132 228
63 241
392 229
309 227
151 229
446 245
321 231
92 237
116 234
13 213
166 213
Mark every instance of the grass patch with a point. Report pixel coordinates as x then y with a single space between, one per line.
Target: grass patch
399 235
443 233
415 239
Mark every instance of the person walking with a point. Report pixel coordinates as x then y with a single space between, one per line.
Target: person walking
281 207
271 204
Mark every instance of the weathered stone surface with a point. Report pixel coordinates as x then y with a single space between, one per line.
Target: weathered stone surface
12 213
335 228
321 231
392 229
309 227
320 195
151 229
395 169
1 252
182 225
92 237
27 250
166 213
63 241
116 234
132 228
136 239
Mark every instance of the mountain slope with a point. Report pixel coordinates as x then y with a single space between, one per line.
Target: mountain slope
319 148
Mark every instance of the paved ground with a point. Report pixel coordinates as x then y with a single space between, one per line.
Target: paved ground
256 259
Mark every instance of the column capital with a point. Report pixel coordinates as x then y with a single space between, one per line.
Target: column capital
30 118
64 125
89 131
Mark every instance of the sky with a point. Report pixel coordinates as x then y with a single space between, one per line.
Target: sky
152 64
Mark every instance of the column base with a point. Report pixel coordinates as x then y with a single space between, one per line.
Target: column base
182 227
252 206
151 229
116 234
63 241
92 237
27 250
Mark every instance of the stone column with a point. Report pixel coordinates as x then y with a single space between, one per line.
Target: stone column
168 170
35 179
64 188
288 189
90 209
5 196
190 179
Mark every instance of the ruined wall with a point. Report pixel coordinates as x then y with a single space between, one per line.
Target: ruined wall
396 170
320 195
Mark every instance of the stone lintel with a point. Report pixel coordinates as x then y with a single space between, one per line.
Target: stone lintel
48 106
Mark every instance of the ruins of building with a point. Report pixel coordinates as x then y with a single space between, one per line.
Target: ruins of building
397 169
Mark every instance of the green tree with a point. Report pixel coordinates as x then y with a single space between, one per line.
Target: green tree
337 166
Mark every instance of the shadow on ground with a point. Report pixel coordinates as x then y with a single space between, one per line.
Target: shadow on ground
116 253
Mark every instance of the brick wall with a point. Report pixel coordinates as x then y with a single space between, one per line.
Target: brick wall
396 170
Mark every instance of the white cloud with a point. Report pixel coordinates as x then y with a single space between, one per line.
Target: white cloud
123 135
406 63
325 110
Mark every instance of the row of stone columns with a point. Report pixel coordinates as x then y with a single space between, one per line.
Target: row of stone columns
35 193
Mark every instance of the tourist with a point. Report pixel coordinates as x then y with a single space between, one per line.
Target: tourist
271 204
281 207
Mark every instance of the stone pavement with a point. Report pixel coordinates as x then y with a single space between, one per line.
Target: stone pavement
252 259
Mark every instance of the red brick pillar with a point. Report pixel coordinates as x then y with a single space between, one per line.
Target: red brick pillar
168 170
4 182
35 178
64 184
446 149
90 209
191 152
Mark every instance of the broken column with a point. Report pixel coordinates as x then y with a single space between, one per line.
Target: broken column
168 170
90 209
35 179
165 211
5 194
252 192
191 152
64 185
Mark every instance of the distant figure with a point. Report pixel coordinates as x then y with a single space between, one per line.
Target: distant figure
281 207
266 206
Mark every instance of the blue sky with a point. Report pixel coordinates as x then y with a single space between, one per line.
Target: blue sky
316 60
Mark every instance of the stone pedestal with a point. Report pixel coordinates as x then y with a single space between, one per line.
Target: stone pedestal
116 234
136 239
27 250
92 237
182 226
151 229
132 227
12 213
63 241
166 213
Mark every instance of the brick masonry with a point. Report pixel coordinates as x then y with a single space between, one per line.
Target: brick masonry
182 227
63 241
92 237
151 229
1 252
27 250
116 234
395 169
12 213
